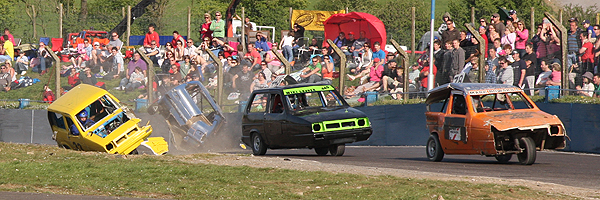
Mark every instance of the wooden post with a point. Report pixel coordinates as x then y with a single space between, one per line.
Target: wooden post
473 15
597 18
405 60
532 28
346 10
291 22
189 25
412 33
123 12
56 70
244 30
286 64
560 14
219 76
482 50
34 23
60 20
563 42
129 31
150 73
342 69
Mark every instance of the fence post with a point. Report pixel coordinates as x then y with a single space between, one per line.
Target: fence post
34 23
563 43
150 74
56 70
405 63
219 76
531 32
189 23
473 15
412 34
129 31
60 20
342 64
482 50
244 30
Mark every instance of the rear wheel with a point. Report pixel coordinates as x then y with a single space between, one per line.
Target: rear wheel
434 149
503 158
337 150
322 151
258 145
528 155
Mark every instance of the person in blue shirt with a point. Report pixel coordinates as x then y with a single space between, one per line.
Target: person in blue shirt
377 52
261 43
85 121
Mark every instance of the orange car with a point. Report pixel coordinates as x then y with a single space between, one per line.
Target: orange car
491 120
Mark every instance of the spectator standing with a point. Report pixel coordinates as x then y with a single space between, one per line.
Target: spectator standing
205 27
424 75
298 35
528 76
517 66
217 26
286 45
151 36
543 76
458 59
11 38
438 55
447 66
451 33
573 42
498 25
512 14
590 30
596 81
509 37
522 36
443 27
505 73
242 80
587 53
587 88
493 34
597 47
467 44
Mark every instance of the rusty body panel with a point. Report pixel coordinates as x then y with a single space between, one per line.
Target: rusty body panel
489 119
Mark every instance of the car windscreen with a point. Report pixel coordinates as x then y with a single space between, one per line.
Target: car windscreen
500 101
314 100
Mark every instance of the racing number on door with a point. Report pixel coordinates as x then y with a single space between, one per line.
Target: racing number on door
77 146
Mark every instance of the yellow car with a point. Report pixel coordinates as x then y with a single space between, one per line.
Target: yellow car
88 118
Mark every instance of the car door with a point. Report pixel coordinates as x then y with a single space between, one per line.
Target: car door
455 124
274 118
255 114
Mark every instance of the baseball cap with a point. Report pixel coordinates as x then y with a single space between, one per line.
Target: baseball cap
511 12
391 54
376 60
585 22
392 61
495 15
350 33
96 43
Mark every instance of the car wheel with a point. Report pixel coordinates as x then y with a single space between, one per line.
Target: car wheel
503 158
434 149
528 155
258 145
322 151
337 150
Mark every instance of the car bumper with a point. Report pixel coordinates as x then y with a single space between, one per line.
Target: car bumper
342 137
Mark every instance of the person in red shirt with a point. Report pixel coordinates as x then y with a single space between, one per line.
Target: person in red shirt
205 28
151 36
425 74
73 78
177 37
587 49
254 56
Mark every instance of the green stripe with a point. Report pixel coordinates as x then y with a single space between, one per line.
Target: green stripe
307 89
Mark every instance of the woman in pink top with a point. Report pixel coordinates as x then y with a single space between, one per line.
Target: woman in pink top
522 36
509 37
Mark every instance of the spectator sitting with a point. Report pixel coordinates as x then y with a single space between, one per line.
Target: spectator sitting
8 49
5 78
543 77
261 43
136 80
43 59
11 38
73 78
22 63
178 38
588 87
556 77
375 75
87 77
152 52
254 56
312 73
115 41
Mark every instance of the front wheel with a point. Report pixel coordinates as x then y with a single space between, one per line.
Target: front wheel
503 158
258 145
321 151
337 150
434 149
529 154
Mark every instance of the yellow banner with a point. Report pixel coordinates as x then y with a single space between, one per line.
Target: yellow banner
312 19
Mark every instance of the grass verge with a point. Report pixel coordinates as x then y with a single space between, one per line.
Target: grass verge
48 169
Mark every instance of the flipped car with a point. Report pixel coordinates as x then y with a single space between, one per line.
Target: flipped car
191 113
489 119
302 116
108 126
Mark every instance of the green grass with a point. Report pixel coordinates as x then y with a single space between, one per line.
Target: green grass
48 169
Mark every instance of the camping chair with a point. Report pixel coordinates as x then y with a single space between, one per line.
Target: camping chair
45 40
17 42
57 44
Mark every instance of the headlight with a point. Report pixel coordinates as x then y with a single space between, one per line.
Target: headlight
316 127
361 122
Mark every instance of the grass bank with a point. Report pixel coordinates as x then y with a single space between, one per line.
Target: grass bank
48 169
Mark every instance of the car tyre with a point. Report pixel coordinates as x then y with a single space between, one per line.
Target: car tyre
258 145
503 158
337 150
322 151
529 154
434 149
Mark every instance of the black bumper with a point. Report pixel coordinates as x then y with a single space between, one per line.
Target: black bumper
342 137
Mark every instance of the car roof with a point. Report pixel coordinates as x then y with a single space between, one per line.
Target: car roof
279 88
78 98
443 91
